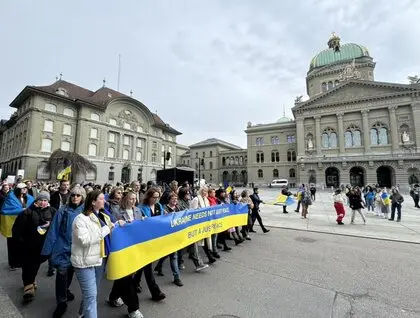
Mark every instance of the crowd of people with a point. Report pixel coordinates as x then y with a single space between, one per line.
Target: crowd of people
69 226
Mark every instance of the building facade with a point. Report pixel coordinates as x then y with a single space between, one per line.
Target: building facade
115 132
351 130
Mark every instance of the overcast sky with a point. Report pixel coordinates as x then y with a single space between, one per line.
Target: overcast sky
207 67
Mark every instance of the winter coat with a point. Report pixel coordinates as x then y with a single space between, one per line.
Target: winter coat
55 200
57 244
183 205
11 208
355 201
256 200
25 228
397 198
87 247
147 211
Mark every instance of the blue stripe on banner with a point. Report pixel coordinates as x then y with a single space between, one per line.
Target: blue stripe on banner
159 226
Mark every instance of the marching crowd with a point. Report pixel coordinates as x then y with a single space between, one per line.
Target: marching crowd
70 227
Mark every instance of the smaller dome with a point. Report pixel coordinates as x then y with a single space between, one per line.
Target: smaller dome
283 119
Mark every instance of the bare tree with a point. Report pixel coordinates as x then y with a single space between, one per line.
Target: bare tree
60 160
414 79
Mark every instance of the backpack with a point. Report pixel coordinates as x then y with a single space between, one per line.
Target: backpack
306 199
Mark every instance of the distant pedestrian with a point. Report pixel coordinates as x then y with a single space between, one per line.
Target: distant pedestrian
356 204
339 201
397 199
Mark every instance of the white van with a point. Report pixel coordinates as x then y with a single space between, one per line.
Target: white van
279 183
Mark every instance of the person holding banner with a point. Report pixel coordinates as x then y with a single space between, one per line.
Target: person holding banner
171 207
149 208
184 204
202 201
124 289
88 250
247 200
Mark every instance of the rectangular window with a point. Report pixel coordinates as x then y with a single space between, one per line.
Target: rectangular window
127 126
170 159
138 156
67 129
139 143
48 125
46 145
65 146
111 152
92 150
163 148
94 133
68 112
50 107
112 122
127 140
111 137
154 145
139 129
94 116
126 154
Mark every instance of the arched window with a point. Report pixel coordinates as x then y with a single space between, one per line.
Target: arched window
223 161
154 157
275 156
50 107
379 134
330 85
291 155
275 173
275 140
329 138
324 87
352 137
211 153
210 165
260 156
292 173
260 173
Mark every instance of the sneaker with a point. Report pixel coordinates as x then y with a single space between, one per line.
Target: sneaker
266 230
116 303
70 296
201 267
212 260
60 310
178 282
252 231
248 238
181 266
390 219
227 248
215 255
51 272
28 292
159 297
340 223
135 314
159 273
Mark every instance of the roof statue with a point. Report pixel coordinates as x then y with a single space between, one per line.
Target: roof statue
334 42
298 99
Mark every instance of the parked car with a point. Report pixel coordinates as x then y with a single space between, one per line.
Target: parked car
279 183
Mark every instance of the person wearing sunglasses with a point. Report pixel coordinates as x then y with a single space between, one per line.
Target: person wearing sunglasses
57 247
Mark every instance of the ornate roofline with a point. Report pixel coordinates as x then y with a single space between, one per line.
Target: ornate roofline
328 71
409 89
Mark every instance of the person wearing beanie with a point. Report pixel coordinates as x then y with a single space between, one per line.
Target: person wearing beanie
57 247
29 230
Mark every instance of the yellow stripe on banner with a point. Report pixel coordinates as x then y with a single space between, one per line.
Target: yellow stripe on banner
6 224
131 259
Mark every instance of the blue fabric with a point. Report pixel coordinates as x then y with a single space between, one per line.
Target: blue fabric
370 195
146 211
57 244
107 239
13 206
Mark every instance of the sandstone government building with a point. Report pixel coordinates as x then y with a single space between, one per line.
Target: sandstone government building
351 130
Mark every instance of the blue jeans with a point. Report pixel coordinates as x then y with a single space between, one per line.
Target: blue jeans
89 280
370 204
173 259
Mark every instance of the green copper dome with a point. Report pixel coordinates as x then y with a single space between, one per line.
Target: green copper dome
348 51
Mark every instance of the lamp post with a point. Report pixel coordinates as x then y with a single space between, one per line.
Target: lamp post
200 163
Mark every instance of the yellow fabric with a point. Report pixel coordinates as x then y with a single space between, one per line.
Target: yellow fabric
299 196
6 224
64 174
102 244
228 189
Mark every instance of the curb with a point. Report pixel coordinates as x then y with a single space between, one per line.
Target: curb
344 234
8 308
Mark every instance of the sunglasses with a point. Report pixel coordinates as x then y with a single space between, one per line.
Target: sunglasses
75 195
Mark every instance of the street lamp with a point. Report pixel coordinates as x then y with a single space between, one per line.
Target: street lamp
200 163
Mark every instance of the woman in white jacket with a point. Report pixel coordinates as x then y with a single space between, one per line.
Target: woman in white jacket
88 250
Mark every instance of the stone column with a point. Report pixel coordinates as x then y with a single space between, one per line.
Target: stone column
340 133
318 135
300 137
393 128
415 137
366 130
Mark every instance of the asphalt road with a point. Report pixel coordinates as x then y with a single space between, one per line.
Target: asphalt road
284 273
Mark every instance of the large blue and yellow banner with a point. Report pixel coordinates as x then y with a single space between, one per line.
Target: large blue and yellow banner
144 241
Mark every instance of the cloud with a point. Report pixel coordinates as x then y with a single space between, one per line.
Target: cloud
207 67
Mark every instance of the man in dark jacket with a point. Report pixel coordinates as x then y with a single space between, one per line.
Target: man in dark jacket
61 197
285 191
256 211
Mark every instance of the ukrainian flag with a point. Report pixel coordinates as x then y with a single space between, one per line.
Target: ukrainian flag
144 241
284 200
64 174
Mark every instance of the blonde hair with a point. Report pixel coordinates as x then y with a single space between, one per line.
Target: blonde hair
126 199
203 188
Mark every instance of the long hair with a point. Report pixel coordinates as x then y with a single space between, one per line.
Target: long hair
149 194
126 199
90 198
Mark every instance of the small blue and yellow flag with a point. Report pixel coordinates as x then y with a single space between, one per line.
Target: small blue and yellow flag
64 174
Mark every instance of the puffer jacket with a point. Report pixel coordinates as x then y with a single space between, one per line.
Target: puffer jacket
87 248
57 244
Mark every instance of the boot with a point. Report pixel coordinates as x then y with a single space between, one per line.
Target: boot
60 310
29 292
